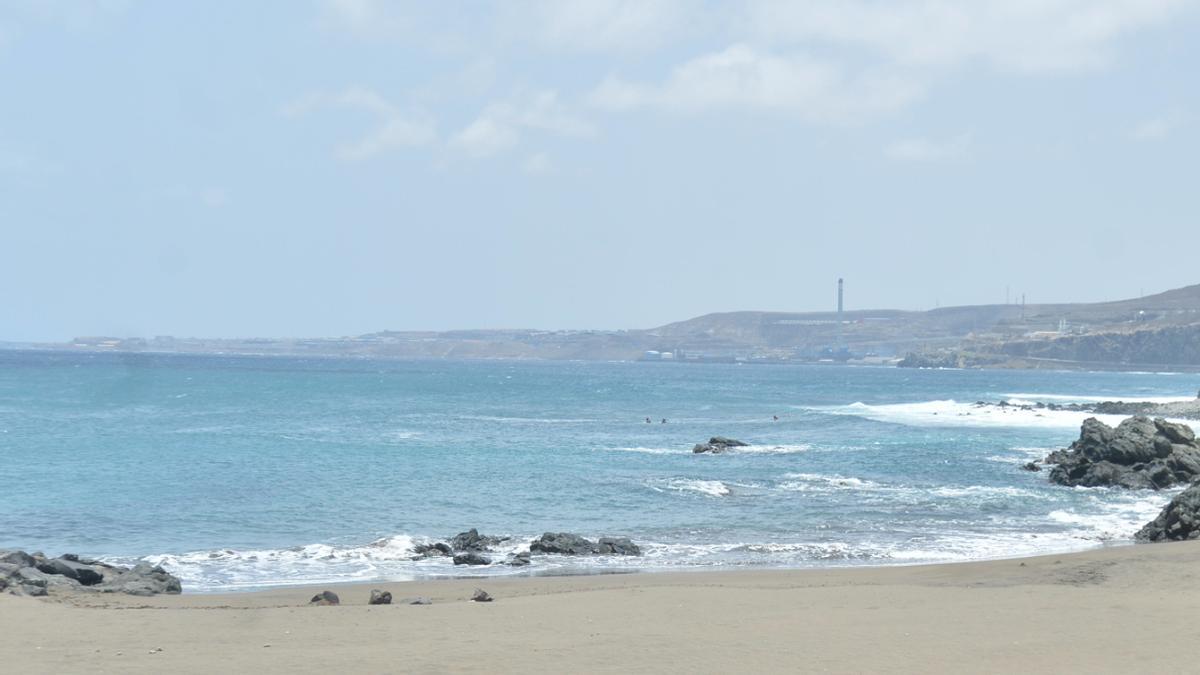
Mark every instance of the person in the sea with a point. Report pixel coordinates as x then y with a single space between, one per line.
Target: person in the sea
647 420
664 420
775 417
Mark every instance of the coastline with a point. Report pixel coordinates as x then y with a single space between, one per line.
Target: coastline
1112 609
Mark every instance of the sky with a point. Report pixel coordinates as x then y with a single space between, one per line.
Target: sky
327 168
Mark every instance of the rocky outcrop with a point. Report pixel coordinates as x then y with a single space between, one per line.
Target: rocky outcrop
1139 454
379 597
617 546
565 543
519 559
1178 521
718 444
471 540
35 574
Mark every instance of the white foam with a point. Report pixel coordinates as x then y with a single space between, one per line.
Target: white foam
711 488
816 482
653 451
951 413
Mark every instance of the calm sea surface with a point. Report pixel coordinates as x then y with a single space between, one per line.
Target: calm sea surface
248 472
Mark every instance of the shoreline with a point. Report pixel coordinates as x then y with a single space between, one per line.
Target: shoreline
1110 609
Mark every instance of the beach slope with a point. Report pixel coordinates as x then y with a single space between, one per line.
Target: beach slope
1120 609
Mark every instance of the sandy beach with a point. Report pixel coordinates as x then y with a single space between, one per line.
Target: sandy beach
1119 609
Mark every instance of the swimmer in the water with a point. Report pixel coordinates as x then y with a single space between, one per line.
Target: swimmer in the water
775 417
647 420
664 420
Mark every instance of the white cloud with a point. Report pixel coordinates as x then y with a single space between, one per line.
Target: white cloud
597 25
538 163
928 150
742 77
395 127
499 126
1022 35
1157 128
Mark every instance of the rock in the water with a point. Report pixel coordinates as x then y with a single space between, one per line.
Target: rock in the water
481 595
618 546
718 444
1140 453
563 543
471 558
431 550
325 598
520 559
379 597
143 579
1178 521
471 540
1031 466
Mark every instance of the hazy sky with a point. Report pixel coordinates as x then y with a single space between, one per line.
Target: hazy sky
332 168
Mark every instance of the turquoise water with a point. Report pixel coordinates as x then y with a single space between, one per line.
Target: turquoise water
246 472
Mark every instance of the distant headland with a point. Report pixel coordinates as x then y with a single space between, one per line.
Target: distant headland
1155 332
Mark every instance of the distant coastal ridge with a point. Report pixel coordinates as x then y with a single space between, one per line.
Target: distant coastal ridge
1155 332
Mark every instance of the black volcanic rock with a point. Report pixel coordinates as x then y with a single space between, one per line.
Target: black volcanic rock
23 571
718 444
471 558
1178 521
471 540
566 543
1140 454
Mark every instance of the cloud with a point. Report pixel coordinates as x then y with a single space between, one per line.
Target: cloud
395 127
600 25
1157 128
538 163
743 77
1019 35
500 125
928 150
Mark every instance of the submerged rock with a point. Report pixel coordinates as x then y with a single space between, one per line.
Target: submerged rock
718 444
1140 453
471 558
379 597
1178 521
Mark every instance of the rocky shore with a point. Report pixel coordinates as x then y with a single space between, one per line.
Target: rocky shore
34 574
472 548
1140 453
1189 410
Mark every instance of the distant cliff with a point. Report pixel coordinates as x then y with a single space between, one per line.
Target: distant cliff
1171 345
1162 347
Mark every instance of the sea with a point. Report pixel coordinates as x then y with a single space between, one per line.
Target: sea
240 472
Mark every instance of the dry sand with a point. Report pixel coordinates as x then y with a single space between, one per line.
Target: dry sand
1122 609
